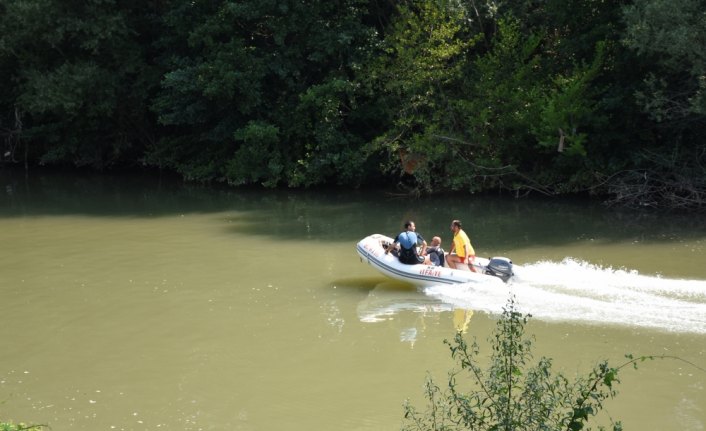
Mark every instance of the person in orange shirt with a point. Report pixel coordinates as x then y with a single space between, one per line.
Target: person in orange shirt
461 256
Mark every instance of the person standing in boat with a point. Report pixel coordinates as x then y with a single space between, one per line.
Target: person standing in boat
461 256
408 241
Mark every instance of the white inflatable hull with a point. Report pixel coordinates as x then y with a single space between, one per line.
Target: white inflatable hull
371 251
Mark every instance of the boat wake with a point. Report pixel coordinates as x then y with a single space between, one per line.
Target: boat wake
574 290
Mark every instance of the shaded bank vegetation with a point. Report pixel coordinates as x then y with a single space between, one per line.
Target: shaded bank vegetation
552 97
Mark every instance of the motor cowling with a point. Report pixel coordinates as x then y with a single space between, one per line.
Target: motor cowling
500 267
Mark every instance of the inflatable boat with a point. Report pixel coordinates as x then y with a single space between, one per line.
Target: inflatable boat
371 250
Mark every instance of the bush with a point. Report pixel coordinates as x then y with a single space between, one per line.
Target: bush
513 393
9 426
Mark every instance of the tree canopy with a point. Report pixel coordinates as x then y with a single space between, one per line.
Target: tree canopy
554 97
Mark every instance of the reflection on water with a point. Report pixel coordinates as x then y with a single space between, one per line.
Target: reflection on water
494 224
388 299
462 318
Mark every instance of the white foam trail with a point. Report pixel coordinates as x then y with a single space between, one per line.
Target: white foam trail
573 290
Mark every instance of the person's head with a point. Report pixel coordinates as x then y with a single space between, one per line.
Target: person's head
455 226
436 242
410 226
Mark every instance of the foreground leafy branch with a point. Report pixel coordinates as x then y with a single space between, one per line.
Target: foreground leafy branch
513 393
9 426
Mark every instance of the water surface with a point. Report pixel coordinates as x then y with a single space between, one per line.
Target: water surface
141 303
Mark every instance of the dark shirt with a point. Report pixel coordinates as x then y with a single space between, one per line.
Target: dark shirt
409 255
436 255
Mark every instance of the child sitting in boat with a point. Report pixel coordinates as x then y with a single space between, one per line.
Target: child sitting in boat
435 252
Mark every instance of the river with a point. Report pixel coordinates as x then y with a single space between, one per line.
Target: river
134 302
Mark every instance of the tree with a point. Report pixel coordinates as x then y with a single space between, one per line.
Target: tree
671 34
78 78
416 78
484 96
667 169
261 92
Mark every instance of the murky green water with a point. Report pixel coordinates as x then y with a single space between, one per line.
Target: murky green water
144 304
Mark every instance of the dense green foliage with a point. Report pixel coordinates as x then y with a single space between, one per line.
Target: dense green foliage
553 96
513 393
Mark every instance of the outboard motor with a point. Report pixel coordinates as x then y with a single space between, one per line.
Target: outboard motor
500 267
